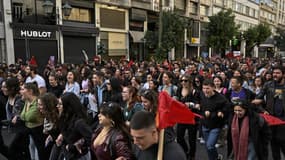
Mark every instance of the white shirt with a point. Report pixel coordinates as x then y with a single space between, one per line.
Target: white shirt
40 80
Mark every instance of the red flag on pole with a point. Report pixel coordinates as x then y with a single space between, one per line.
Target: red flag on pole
271 120
171 111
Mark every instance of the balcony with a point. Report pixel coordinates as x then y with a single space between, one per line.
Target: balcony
143 4
205 2
123 3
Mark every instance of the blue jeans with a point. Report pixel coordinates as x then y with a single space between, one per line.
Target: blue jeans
211 137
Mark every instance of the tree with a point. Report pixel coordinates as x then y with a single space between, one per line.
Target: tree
280 39
222 29
256 35
173 26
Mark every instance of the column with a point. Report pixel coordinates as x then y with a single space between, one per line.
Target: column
10 55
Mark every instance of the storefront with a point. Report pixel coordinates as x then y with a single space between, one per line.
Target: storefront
137 27
113 32
78 40
39 41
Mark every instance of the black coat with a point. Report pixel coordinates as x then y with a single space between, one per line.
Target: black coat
259 132
214 104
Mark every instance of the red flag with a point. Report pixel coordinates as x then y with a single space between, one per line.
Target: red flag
171 111
271 120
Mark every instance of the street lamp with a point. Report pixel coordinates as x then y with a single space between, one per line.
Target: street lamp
66 8
48 8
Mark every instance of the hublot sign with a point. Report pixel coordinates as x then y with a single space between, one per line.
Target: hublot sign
35 34
25 33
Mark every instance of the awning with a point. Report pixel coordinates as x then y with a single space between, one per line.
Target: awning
137 36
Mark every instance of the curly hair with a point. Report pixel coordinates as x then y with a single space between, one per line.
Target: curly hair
50 102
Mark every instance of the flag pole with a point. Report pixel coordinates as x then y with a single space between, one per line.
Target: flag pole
160 145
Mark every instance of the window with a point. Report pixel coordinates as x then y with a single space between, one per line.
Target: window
247 10
193 8
17 11
204 10
219 2
229 3
180 4
107 19
80 14
166 2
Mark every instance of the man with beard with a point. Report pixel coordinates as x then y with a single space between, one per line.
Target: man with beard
33 76
275 105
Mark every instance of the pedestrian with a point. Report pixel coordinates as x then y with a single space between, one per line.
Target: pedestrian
191 97
146 139
132 103
275 105
72 85
74 137
111 140
249 133
33 120
214 108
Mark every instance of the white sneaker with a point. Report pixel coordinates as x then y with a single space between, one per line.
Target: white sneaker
202 141
218 145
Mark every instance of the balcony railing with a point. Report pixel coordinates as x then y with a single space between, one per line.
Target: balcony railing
125 3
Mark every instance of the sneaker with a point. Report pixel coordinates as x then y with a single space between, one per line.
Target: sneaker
218 145
220 157
202 141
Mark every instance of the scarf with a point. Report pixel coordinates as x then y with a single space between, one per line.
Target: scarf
240 137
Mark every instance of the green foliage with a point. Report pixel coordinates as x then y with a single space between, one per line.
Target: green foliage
173 26
280 39
221 29
256 35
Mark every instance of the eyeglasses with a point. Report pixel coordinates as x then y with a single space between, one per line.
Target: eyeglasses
183 80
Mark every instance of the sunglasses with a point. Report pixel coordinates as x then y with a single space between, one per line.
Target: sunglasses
183 80
238 102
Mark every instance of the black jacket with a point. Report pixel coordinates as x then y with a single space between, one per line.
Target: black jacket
171 151
269 91
214 104
260 134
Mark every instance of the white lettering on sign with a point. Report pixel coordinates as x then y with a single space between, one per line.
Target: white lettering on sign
35 34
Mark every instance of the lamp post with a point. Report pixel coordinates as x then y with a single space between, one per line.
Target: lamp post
48 8
65 10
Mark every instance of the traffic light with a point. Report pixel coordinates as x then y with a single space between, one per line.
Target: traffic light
236 44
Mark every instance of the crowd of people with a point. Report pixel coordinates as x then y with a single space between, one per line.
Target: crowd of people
107 110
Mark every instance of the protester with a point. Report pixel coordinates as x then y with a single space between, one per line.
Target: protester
132 103
214 108
191 97
249 133
14 107
146 139
74 137
33 76
72 85
111 140
274 105
33 120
